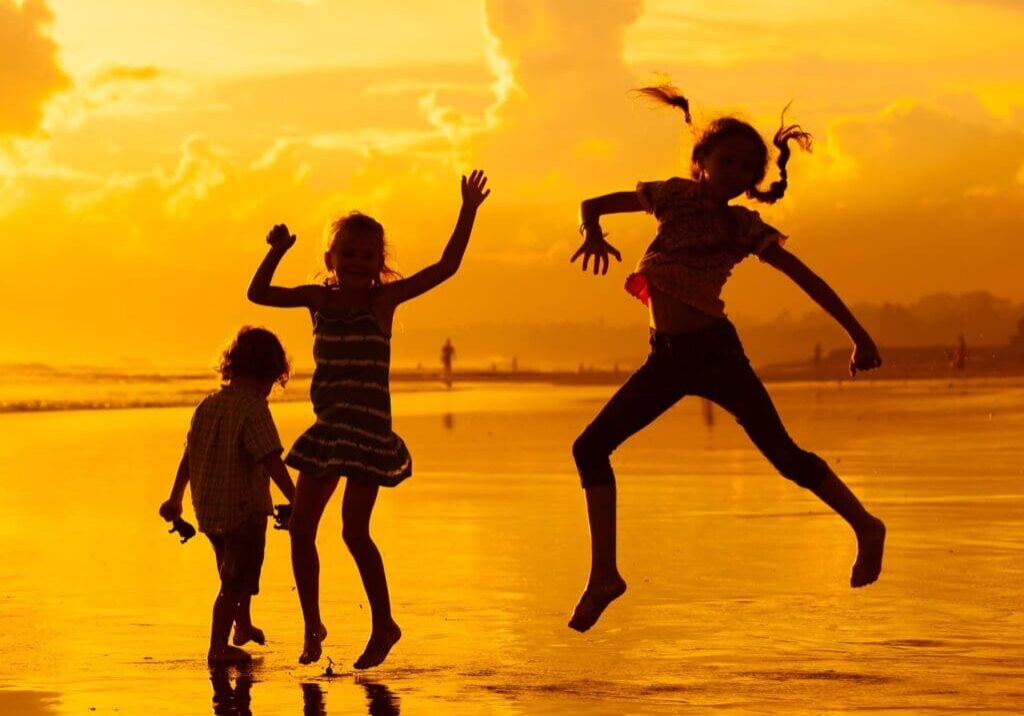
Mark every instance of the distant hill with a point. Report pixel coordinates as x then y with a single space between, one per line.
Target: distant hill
935 320
933 323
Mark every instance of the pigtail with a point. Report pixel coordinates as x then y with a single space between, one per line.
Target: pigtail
781 141
667 94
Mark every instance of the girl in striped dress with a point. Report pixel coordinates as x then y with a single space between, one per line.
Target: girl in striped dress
352 437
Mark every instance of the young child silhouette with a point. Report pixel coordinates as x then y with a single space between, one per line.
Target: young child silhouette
694 348
231 451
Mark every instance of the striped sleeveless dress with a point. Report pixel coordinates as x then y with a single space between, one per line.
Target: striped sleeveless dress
352 435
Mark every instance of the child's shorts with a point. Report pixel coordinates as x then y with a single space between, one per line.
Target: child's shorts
240 555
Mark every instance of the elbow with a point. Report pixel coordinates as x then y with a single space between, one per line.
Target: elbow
447 267
254 295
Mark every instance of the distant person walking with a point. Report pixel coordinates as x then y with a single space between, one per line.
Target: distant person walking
960 354
447 356
707 411
694 348
352 314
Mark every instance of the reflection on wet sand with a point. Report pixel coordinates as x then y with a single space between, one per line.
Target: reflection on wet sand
228 699
313 702
739 601
29 703
379 698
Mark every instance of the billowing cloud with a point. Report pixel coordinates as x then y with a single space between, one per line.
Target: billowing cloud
912 149
902 201
29 72
169 177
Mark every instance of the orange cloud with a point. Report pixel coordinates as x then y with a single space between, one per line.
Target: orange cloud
168 178
143 73
29 72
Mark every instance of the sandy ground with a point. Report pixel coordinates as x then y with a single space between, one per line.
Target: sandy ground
738 598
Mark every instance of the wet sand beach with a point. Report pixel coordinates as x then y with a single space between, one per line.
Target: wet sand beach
738 599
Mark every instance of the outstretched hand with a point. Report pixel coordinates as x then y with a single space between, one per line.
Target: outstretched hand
473 192
280 238
595 247
865 357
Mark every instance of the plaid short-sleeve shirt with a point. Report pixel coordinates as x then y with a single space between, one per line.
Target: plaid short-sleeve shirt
697 245
232 431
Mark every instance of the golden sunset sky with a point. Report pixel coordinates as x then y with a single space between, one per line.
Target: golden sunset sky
146 149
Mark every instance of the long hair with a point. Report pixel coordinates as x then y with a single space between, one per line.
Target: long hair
362 225
726 128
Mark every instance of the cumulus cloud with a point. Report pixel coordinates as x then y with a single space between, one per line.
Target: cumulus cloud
915 149
903 201
174 176
201 170
29 72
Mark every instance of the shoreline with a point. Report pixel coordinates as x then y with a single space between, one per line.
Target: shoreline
425 381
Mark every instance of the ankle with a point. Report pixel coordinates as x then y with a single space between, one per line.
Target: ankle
605 576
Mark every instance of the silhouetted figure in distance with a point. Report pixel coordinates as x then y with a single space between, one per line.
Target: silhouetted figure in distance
960 354
447 355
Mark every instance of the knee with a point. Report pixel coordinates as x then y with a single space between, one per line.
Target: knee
802 467
592 461
301 531
356 537
587 450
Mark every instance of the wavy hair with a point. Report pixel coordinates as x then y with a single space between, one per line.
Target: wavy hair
255 353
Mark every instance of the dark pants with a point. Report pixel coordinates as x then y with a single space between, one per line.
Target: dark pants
240 554
709 363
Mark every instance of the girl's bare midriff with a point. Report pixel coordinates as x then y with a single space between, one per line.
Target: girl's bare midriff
670 315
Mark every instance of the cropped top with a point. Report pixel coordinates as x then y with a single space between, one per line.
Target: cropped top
698 243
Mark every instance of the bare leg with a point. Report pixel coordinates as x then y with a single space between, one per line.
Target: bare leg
745 396
648 393
244 629
869 529
223 615
605 584
311 497
356 508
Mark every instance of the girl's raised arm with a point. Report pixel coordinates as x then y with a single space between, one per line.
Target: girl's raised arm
865 352
473 195
261 292
594 246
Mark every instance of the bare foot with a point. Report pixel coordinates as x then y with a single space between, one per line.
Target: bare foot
228 655
311 650
245 634
870 546
595 599
378 646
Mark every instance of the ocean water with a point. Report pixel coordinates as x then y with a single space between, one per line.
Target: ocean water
738 599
